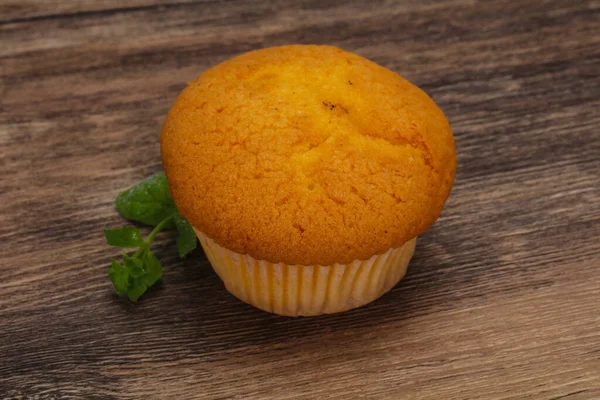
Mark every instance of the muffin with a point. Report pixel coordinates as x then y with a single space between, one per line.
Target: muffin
307 173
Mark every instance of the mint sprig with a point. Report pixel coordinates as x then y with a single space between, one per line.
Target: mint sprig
150 203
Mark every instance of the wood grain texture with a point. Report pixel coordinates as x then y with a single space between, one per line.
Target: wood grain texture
13 11
502 299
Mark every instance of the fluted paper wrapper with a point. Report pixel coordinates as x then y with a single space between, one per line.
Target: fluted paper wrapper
294 290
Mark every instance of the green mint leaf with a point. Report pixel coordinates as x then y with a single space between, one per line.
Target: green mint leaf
132 262
119 277
137 289
127 237
137 272
186 237
153 269
148 202
135 266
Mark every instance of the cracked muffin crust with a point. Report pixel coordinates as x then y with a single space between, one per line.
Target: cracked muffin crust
307 155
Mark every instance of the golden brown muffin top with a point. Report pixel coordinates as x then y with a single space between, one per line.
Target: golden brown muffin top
307 155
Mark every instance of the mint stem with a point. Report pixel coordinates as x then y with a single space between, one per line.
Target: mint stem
158 228
161 225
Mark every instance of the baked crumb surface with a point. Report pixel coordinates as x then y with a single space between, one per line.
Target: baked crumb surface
307 155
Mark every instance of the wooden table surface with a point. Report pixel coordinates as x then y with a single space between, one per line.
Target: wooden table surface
502 299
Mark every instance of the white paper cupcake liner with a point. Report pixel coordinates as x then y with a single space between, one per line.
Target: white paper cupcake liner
294 290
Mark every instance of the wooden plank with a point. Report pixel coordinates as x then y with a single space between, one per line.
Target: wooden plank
12 11
501 299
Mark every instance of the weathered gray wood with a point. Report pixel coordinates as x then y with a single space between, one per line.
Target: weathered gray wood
502 299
